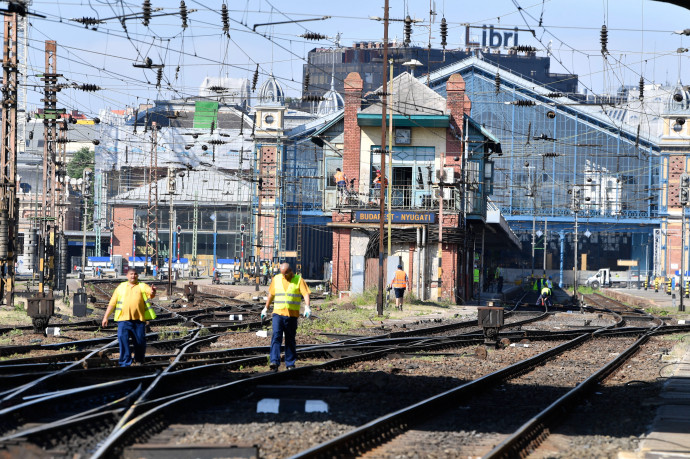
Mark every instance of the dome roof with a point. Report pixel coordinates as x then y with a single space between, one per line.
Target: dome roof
271 93
332 101
679 100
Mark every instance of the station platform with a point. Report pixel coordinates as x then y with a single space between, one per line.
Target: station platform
669 434
642 298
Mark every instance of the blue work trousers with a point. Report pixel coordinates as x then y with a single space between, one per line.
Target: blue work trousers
137 330
288 326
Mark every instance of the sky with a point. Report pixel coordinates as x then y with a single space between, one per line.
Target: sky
640 41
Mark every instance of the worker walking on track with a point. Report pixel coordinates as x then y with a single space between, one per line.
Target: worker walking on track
399 284
133 309
287 289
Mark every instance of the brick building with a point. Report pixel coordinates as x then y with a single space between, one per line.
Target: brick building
437 148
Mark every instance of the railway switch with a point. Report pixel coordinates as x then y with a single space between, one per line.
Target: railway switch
40 308
491 320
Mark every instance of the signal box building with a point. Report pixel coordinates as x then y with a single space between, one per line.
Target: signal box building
436 148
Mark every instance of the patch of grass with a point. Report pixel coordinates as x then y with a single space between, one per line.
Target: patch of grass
19 306
366 298
586 290
655 311
678 337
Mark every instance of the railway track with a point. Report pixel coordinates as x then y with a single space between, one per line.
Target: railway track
187 366
79 403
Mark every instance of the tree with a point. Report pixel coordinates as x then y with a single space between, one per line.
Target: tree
82 159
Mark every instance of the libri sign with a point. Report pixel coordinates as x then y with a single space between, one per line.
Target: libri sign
491 37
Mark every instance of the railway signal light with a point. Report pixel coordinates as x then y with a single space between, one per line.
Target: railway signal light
242 228
577 198
179 230
685 189
260 238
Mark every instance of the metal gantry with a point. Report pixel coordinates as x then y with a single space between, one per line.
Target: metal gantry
9 211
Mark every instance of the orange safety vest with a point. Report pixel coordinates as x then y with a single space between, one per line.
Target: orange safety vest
400 279
339 177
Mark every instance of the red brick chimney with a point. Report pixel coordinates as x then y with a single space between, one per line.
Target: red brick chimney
352 133
457 104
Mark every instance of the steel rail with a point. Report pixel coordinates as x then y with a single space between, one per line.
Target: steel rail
388 426
533 432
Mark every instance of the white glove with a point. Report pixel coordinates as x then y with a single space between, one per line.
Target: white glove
307 312
264 313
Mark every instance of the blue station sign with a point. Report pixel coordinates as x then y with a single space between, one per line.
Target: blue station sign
398 216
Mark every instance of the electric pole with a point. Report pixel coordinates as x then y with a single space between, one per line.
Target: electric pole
85 194
8 161
382 191
684 199
576 209
50 115
171 193
152 210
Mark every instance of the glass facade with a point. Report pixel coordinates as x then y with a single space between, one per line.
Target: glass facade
550 148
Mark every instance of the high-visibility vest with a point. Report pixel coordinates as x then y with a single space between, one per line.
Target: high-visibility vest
400 279
149 313
546 291
498 273
339 177
289 299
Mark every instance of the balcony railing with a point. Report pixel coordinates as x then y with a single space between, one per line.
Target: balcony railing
402 197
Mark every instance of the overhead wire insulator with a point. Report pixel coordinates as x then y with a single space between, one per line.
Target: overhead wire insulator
313 36
551 155
604 38
89 87
554 95
225 18
146 8
641 87
408 30
159 77
312 98
497 80
87 21
183 14
444 33
255 79
524 49
217 142
306 82
524 103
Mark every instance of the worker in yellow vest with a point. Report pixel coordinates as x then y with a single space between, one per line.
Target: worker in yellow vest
399 283
131 302
286 292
